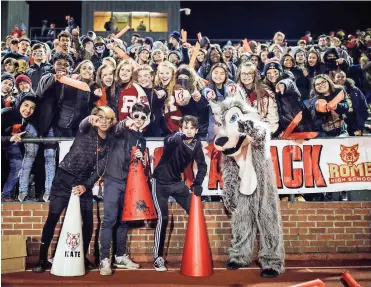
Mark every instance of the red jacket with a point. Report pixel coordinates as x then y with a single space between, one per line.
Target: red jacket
129 96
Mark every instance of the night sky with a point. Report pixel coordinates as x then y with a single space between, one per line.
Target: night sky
235 20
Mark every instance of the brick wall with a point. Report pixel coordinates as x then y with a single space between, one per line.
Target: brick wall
320 230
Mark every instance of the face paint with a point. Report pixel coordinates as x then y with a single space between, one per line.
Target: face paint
100 49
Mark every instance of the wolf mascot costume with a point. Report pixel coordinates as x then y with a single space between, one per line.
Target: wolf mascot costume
250 193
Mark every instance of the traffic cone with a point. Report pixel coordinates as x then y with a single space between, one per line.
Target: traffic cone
196 261
69 256
349 280
138 203
313 283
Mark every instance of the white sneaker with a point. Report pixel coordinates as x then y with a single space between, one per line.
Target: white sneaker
125 262
105 267
159 264
22 196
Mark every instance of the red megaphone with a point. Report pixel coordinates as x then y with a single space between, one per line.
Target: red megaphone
138 203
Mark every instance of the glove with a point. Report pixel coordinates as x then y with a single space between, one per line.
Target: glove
196 189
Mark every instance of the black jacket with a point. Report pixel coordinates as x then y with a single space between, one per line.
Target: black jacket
177 155
119 156
155 128
35 72
290 104
81 160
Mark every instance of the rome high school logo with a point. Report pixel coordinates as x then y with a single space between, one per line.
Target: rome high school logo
73 240
350 171
349 155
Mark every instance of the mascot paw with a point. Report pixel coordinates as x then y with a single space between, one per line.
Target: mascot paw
235 265
269 273
244 126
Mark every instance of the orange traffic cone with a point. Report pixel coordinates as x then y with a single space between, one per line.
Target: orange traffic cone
313 283
196 261
138 204
349 280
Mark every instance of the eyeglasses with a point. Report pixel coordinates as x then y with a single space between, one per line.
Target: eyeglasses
137 116
323 83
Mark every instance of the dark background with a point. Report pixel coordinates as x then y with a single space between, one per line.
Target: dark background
235 20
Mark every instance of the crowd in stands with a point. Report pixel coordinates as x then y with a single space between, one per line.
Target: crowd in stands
279 80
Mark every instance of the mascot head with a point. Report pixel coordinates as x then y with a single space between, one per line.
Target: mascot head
227 114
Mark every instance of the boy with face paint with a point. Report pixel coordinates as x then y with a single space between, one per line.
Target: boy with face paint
40 66
100 51
13 122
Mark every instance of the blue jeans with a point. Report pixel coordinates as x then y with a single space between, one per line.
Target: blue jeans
29 158
14 155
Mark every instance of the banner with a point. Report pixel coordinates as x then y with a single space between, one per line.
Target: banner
318 165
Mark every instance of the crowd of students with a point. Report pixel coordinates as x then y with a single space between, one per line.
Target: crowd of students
279 80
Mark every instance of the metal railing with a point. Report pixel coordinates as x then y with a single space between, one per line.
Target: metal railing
35 33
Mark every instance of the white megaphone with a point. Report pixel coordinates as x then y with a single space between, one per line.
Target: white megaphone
69 257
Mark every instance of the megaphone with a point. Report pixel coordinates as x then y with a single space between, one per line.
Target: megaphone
138 203
69 256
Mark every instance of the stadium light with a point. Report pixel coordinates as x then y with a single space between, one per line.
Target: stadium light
187 11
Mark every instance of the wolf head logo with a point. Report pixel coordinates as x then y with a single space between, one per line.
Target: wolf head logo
227 114
73 240
349 155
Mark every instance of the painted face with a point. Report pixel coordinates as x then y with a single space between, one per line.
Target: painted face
158 56
218 76
23 47
215 56
10 67
188 129
144 55
264 56
104 122
27 108
87 71
107 77
165 74
300 58
125 73
145 79
228 52
340 79
272 75
61 65
24 87
139 119
321 86
201 56
6 86
64 43
312 59
247 75
39 55
288 62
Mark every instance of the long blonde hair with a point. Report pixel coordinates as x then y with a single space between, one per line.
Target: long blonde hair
170 87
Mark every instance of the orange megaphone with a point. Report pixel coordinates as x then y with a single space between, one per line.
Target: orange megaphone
196 261
138 204
313 283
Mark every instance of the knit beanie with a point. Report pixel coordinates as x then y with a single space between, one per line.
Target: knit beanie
22 78
157 45
143 48
149 41
7 76
272 63
176 52
175 35
86 39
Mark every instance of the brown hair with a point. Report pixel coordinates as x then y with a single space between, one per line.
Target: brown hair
189 119
218 65
331 84
143 68
98 78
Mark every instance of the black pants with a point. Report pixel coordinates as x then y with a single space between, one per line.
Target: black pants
62 185
161 192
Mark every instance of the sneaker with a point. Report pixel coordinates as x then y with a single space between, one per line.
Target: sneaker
41 266
159 264
125 262
88 265
46 197
22 196
300 198
105 267
343 196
